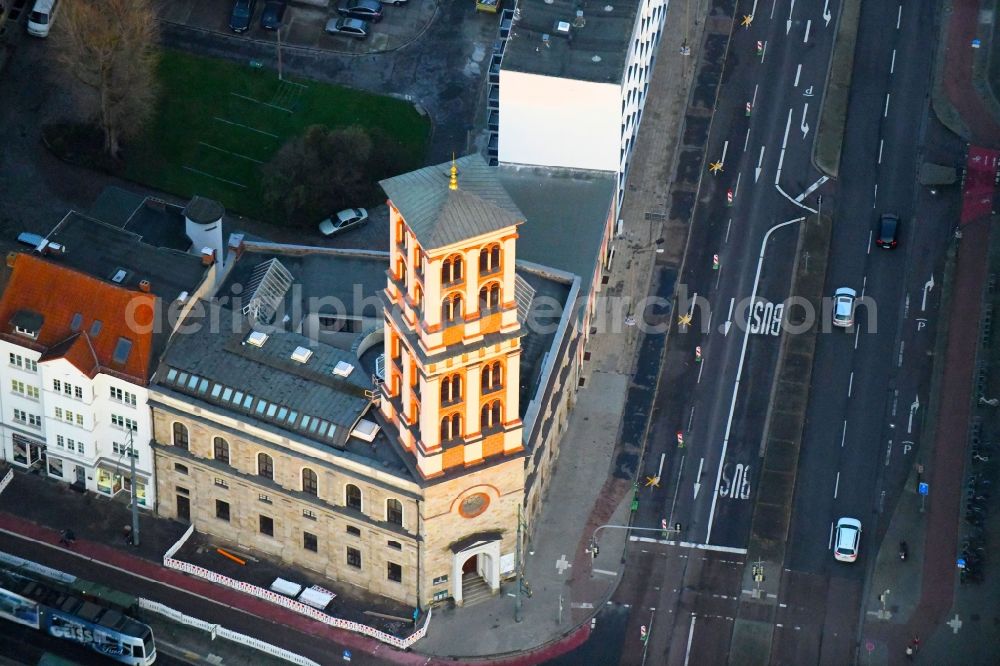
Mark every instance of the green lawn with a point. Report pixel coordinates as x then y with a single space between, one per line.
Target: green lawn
218 121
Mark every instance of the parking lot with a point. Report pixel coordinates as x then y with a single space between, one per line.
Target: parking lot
432 54
304 20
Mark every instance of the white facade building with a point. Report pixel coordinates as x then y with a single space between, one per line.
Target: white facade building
571 84
80 332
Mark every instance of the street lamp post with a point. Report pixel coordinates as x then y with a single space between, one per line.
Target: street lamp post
132 484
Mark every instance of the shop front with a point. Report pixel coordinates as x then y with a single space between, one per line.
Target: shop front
27 452
112 480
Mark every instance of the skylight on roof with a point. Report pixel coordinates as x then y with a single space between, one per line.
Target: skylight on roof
122 350
119 275
257 338
343 369
365 430
301 354
74 325
95 328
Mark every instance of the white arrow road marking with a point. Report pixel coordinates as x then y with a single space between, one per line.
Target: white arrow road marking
788 23
760 160
914 406
804 126
729 322
725 147
697 484
827 15
927 287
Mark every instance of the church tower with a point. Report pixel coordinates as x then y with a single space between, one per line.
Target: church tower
452 361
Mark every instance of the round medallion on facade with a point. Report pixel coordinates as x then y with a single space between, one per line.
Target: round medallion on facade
473 505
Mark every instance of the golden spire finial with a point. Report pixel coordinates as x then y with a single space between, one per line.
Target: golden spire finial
453 183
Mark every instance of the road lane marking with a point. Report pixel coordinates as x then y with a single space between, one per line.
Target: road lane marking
881 145
760 161
870 235
728 226
725 148
843 434
808 26
729 318
700 370
850 384
736 190
829 545
784 144
763 52
774 3
739 370
605 572
885 114
875 198
899 360
864 285
857 335
697 479
812 188
746 141
753 102
690 544
804 126
899 16
798 73
836 486
687 651
788 23
892 66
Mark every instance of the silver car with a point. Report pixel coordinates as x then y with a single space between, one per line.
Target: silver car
342 221
847 539
843 307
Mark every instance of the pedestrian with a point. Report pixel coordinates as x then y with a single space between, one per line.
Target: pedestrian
909 652
127 533
66 537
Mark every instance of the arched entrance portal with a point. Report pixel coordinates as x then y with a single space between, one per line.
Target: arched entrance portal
471 562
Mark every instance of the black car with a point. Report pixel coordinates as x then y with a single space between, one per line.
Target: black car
888 228
273 14
348 26
242 14
366 10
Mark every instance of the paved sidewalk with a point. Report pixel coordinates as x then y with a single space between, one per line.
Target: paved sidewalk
957 71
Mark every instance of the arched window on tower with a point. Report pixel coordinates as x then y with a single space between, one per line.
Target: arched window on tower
451 389
490 416
489 297
452 269
451 308
492 377
489 259
451 428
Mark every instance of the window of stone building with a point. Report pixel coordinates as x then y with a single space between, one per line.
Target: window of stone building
222 510
394 572
489 259
180 469
489 297
309 514
451 389
353 557
352 496
451 270
267 525
491 377
310 484
310 542
395 545
451 308
490 416
353 531
221 447
180 435
265 466
394 511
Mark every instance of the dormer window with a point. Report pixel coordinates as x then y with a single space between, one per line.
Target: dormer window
20 330
27 323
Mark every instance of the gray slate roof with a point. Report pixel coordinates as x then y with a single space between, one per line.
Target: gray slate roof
268 372
440 216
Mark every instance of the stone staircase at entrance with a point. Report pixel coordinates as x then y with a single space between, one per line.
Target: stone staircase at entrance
474 589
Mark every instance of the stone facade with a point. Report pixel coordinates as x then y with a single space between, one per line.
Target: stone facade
194 474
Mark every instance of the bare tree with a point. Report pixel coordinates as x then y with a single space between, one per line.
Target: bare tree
110 47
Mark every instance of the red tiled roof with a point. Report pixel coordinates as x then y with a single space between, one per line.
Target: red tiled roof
58 294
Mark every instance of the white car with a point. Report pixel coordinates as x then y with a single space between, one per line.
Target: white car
846 539
843 307
342 221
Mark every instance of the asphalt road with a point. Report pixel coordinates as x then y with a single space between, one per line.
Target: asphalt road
869 394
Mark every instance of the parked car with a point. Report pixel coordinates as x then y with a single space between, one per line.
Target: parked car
242 15
843 307
888 229
348 26
273 14
396 3
366 10
342 221
847 539
30 239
